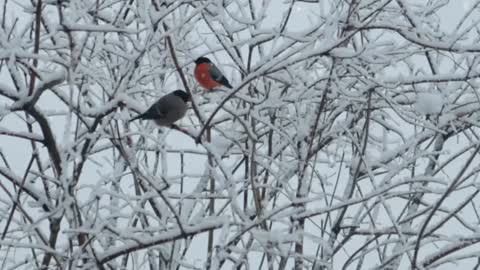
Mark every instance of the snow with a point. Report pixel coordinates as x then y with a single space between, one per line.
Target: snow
429 103
168 235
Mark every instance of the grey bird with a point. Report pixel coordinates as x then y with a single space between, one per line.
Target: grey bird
168 109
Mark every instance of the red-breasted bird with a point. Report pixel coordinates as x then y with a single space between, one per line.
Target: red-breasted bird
168 109
208 75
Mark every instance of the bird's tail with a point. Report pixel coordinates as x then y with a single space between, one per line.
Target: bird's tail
225 83
136 117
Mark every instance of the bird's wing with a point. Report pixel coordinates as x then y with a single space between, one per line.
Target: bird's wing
217 76
215 73
158 110
173 108
163 109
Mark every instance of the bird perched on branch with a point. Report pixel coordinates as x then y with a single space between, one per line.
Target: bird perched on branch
208 75
168 109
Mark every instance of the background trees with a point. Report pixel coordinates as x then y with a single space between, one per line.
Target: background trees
350 139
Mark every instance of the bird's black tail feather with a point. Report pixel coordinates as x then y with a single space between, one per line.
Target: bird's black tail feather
225 83
136 117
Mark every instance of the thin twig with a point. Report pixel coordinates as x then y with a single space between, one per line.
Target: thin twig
182 75
38 16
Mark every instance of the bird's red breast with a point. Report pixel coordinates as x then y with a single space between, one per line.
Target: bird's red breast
203 77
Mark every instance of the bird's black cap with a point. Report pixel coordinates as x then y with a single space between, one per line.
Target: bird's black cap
183 95
202 60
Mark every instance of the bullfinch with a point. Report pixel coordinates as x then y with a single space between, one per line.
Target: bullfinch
208 75
167 109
